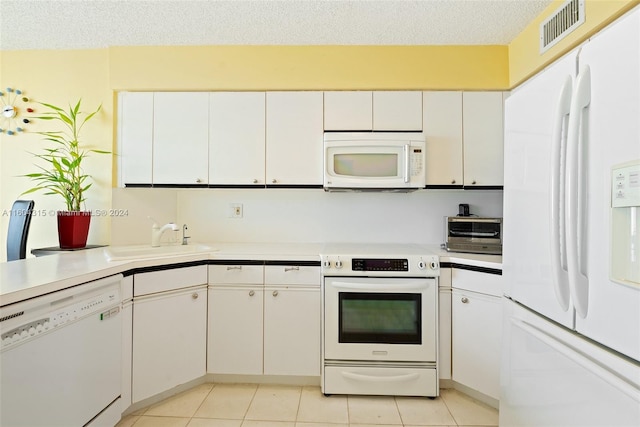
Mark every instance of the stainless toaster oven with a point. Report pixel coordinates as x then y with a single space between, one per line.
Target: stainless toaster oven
473 235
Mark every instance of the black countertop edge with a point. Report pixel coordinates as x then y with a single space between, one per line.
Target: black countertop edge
487 270
218 262
443 187
295 186
294 263
483 187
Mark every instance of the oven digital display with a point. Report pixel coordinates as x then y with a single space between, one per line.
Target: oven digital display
380 264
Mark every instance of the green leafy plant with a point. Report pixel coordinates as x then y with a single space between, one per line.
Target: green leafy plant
64 174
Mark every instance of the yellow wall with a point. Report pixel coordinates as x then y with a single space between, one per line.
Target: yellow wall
58 77
524 51
308 67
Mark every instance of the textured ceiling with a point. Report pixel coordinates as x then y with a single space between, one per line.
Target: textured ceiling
80 24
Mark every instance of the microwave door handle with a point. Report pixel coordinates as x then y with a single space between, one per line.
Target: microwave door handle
406 162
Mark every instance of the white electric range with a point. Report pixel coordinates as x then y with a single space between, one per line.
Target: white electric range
380 319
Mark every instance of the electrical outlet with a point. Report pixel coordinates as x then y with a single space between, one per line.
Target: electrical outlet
235 210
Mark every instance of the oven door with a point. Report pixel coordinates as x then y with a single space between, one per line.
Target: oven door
380 319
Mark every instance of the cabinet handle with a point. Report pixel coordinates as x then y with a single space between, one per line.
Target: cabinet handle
198 180
255 181
473 182
275 293
252 293
195 295
273 181
294 268
464 300
453 181
234 267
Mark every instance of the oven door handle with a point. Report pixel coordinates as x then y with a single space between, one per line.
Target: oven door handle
351 286
380 379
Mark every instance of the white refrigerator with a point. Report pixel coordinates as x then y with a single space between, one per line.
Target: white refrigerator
571 254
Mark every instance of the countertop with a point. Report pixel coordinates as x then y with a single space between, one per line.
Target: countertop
32 277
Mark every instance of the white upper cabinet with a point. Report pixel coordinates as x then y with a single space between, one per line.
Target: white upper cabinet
136 137
181 138
294 138
442 121
237 138
397 110
377 110
483 138
348 110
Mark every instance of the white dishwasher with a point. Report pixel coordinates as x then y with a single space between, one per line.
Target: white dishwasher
60 357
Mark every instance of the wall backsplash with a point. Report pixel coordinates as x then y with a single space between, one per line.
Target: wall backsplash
294 215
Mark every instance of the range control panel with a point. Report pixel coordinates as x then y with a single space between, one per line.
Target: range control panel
393 266
374 264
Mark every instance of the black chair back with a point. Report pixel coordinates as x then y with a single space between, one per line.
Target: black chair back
19 223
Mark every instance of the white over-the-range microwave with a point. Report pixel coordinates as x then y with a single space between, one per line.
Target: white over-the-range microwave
370 161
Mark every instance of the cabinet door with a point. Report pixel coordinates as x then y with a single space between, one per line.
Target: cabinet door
235 330
169 340
292 331
236 138
348 110
294 138
442 121
397 110
180 138
476 339
483 138
135 114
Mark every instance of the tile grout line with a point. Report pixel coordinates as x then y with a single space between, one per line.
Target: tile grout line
448 409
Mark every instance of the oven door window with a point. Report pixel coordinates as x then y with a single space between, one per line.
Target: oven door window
380 318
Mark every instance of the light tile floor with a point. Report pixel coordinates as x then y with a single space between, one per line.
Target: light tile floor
252 405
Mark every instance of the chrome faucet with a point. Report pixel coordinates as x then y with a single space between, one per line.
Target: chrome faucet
185 238
156 232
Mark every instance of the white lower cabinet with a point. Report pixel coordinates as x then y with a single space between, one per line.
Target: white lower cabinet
292 331
169 330
235 330
264 320
476 336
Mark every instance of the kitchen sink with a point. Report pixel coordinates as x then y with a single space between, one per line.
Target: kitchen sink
119 253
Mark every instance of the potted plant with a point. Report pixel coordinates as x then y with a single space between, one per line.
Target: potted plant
64 175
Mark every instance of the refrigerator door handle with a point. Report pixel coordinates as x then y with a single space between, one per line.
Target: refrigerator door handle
575 355
576 176
557 195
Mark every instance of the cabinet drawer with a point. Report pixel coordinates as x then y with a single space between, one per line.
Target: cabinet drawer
291 275
166 280
236 274
485 283
380 381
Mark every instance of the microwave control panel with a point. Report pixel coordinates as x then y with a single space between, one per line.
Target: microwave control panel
417 161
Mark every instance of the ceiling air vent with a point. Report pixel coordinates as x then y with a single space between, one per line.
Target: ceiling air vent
563 21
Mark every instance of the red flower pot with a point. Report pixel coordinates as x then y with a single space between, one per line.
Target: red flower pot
73 229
